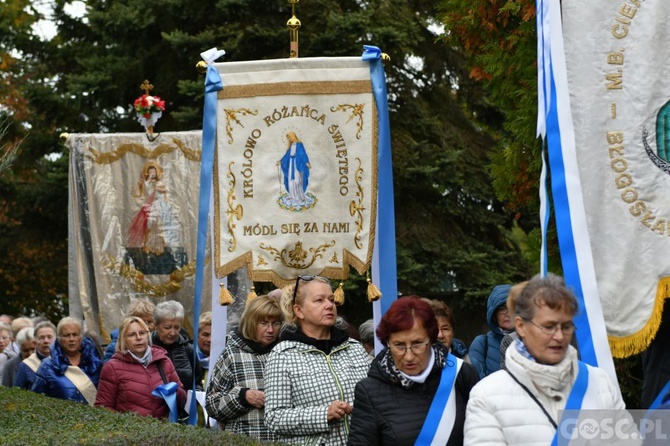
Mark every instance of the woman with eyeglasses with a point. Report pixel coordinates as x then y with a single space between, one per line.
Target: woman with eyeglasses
416 391
520 405
485 349
128 379
312 372
236 391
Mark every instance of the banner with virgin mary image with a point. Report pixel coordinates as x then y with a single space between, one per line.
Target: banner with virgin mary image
295 171
133 218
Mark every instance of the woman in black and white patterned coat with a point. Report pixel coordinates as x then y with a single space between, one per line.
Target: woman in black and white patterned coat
235 395
311 374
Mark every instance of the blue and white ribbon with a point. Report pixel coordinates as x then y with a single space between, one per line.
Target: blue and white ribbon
384 270
578 267
441 416
213 84
543 104
576 398
169 393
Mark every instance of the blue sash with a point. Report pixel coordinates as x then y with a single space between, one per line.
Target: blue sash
442 413
577 393
169 393
658 401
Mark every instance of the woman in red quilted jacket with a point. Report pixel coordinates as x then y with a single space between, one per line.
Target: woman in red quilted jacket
136 369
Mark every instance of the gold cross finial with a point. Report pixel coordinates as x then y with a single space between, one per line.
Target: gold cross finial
146 86
293 26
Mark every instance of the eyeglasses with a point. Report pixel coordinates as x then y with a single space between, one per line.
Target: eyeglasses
5 338
502 310
137 334
308 278
567 328
265 324
416 348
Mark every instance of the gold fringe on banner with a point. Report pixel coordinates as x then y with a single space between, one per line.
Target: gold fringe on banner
339 295
252 295
622 347
373 292
225 298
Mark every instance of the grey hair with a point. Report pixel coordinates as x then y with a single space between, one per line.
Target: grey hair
25 335
44 324
550 291
68 320
6 327
19 324
168 310
367 332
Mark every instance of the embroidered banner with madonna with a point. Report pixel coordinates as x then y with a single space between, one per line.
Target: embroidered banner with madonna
133 218
295 171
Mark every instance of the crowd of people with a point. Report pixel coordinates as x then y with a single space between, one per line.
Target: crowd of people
292 373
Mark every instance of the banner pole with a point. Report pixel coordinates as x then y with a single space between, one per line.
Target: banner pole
293 25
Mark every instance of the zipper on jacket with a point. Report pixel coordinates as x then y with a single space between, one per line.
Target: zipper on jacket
332 371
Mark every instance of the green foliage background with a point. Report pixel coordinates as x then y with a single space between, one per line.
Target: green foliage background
455 239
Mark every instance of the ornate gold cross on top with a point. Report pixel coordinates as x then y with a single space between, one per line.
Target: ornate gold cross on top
146 86
293 26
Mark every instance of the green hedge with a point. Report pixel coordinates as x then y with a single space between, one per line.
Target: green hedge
31 419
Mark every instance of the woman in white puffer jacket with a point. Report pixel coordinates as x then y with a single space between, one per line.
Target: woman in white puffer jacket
520 405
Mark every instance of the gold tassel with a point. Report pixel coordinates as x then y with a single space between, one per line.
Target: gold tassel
339 295
225 298
252 295
373 292
623 347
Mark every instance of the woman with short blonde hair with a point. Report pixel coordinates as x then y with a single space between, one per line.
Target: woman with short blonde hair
136 369
312 372
256 311
235 395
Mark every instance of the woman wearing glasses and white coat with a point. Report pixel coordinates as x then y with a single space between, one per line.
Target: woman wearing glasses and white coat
521 405
416 391
311 374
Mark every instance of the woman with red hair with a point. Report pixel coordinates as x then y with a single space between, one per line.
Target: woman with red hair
416 391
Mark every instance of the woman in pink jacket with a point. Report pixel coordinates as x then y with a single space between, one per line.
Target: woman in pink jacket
136 369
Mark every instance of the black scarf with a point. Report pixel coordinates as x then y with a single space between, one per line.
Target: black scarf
257 347
388 367
337 338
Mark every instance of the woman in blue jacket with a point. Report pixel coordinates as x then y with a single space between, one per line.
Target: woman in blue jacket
72 371
45 333
485 348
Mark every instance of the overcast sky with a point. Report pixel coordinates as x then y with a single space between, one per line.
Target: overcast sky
46 29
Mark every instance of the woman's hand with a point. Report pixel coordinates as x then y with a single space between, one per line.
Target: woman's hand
338 409
256 398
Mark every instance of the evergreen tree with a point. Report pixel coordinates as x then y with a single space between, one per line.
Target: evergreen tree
498 40
454 237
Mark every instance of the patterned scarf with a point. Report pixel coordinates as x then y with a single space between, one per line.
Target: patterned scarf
387 364
521 348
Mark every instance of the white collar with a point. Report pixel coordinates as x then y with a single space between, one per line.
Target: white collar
421 377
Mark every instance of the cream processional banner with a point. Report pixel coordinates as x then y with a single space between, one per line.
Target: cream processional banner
615 55
295 171
132 223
